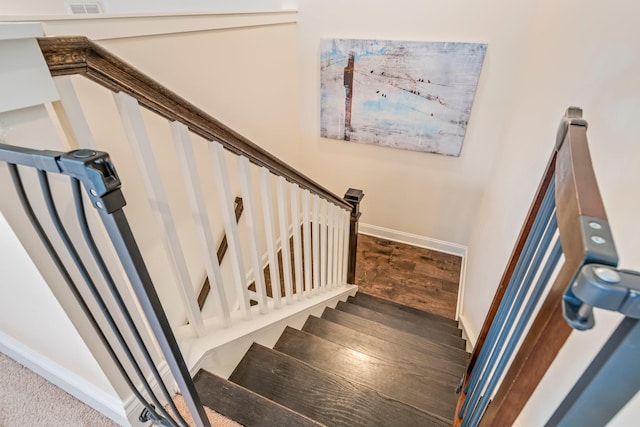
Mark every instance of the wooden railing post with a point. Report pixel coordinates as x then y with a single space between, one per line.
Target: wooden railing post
353 197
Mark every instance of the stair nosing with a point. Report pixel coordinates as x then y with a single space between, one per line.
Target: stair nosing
415 338
459 342
408 309
457 360
258 396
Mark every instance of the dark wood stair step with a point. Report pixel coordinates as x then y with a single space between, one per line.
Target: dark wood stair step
244 406
404 312
443 362
324 397
420 329
392 335
424 391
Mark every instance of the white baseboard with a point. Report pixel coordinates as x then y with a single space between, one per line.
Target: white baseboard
221 350
107 404
412 239
467 333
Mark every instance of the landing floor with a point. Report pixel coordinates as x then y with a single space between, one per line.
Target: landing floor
417 277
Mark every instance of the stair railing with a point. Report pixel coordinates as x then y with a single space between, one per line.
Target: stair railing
307 232
562 265
322 225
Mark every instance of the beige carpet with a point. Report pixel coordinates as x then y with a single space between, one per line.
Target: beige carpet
27 399
216 419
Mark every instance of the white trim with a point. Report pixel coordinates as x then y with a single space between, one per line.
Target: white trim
20 30
105 27
412 239
196 349
103 402
461 285
467 333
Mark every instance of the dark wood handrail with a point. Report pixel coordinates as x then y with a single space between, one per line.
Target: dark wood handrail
79 55
577 197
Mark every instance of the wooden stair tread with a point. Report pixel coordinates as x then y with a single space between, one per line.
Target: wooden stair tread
421 389
324 397
390 334
403 311
243 405
445 363
422 329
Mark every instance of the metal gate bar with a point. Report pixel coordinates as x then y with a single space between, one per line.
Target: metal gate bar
97 174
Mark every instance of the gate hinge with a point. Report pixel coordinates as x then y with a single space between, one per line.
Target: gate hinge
601 286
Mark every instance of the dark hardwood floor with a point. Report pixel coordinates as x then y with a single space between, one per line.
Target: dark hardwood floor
416 277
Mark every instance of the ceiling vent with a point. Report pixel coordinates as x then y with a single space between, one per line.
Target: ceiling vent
84 8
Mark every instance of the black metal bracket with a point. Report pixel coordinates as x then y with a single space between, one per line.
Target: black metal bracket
93 168
601 286
146 416
573 116
598 272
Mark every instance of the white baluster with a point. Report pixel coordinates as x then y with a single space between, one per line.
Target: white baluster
284 238
200 214
323 245
330 260
78 134
297 241
136 132
340 246
70 115
270 231
345 246
336 242
315 235
306 229
221 174
246 185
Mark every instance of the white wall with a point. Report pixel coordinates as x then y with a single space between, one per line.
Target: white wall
32 7
420 193
31 316
577 53
58 7
164 6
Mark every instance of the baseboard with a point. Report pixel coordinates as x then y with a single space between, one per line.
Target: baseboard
412 239
461 285
220 351
467 333
103 402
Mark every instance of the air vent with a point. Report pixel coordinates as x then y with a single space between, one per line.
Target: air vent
84 8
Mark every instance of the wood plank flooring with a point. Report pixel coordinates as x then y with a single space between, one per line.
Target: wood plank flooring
412 276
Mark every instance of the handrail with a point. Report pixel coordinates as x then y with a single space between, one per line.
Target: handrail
578 202
585 238
79 55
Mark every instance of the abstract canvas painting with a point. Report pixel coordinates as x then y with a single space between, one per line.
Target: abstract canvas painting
409 95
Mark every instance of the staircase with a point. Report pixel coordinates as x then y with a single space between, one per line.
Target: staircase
367 362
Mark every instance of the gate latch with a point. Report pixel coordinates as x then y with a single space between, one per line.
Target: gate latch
604 287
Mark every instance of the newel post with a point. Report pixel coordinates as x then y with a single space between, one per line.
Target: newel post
353 197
